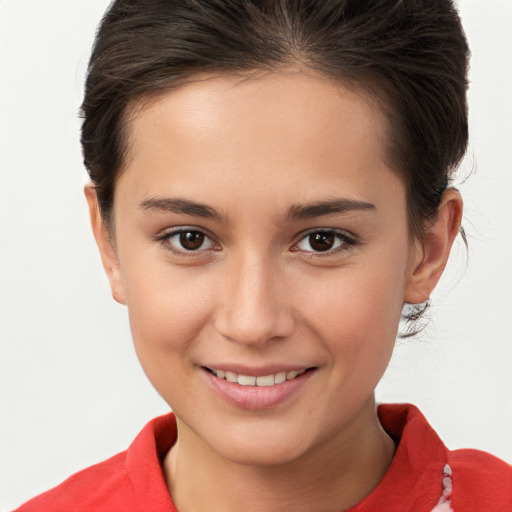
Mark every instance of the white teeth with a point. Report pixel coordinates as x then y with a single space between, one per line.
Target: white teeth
246 380
280 377
262 381
267 380
231 377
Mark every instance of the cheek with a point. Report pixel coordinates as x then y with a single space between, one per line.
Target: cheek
167 307
357 310
167 312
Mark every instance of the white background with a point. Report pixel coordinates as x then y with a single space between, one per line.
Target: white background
71 390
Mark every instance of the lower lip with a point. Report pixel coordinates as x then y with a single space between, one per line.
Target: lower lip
256 397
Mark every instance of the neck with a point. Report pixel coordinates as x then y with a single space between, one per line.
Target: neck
331 477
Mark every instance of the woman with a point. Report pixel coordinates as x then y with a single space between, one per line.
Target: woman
270 186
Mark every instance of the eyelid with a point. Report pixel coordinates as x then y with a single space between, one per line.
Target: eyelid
166 234
348 240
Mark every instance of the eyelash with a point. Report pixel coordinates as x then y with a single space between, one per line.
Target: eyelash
166 241
343 240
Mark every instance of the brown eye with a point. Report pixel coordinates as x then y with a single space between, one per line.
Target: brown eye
192 240
187 241
325 241
321 241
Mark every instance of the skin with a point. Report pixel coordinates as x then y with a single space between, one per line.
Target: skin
256 294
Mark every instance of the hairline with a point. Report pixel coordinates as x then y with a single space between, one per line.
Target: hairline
370 91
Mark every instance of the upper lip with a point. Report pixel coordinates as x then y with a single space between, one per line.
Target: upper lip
257 371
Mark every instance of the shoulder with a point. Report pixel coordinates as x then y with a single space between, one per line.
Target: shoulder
471 480
132 480
480 481
94 488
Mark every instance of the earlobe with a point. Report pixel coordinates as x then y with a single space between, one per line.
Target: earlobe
105 246
430 254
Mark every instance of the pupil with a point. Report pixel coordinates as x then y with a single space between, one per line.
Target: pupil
191 240
321 241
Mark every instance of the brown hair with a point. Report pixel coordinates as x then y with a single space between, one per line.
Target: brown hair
409 55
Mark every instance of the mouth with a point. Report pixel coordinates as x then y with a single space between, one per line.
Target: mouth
269 380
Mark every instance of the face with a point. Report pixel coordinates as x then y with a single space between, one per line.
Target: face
262 249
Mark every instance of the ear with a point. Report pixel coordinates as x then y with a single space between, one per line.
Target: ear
105 245
430 254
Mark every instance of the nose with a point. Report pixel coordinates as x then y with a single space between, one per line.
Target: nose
255 307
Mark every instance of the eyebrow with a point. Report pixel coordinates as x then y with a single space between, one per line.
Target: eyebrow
333 206
183 206
297 211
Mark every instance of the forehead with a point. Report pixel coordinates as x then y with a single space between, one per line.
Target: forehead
224 104
275 128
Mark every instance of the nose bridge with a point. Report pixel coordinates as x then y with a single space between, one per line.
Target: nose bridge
253 309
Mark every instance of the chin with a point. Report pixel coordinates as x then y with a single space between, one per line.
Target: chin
260 445
260 455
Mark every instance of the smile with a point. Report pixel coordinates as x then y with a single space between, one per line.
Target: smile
251 380
261 389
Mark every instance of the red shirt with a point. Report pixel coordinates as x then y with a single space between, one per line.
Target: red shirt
133 481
